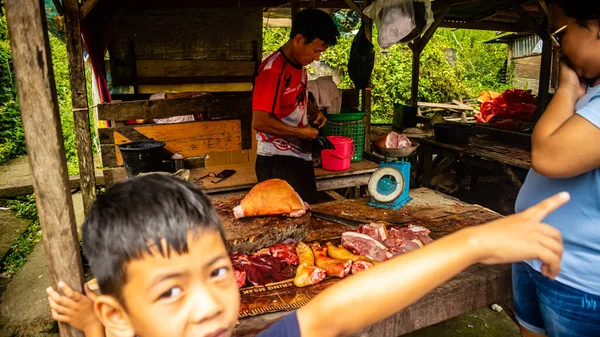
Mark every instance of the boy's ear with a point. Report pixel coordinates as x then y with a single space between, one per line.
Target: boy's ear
113 316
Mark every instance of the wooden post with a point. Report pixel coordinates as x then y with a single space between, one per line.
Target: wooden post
80 103
545 72
44 139
295 7
418 46
366 93
416 60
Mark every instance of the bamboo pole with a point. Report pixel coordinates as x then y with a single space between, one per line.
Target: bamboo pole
45 147
366 93
80 102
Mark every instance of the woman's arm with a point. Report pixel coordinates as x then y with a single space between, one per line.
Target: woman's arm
565 144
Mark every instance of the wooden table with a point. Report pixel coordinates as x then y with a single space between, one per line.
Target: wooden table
476 287
245 177
478 150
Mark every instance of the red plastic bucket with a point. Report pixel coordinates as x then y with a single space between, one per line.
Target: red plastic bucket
338 159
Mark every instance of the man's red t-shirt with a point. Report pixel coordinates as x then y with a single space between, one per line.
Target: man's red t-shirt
280 89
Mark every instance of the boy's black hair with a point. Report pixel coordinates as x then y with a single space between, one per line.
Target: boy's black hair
582 11
314 23
134 216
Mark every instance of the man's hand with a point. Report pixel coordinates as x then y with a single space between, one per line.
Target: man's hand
522 236
309 132
319 119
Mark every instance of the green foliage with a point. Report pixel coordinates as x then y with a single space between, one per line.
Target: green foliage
17 255
12 138
477 67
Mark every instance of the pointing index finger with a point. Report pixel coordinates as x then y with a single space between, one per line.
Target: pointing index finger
541 210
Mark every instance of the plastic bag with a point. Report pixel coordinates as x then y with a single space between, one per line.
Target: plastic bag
400 21
362 59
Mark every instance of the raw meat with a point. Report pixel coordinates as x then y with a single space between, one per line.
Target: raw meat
240 277
375 230
360 265
393 140
422 233
260 252
307 273
365 245
286 252
262 269
339 252
333 267
271 197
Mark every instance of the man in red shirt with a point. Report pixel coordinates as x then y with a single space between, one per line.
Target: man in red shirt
280 105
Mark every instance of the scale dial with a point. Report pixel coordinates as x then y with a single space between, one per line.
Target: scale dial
386 184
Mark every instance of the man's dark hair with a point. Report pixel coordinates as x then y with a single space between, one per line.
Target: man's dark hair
582 11
314 23
140 216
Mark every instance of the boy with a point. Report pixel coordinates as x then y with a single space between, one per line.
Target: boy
156 247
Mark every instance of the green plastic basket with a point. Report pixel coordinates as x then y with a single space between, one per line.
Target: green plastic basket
349 125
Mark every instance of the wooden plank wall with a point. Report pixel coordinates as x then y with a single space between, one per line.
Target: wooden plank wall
182 51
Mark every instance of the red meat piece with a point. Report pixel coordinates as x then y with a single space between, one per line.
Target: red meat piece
262 269
286 252
240 277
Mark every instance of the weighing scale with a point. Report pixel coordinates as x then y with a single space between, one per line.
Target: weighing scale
389 185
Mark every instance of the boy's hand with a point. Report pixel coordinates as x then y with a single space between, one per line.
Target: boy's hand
73 308
522 236
569 81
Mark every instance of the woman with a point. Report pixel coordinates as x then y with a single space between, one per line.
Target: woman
566 156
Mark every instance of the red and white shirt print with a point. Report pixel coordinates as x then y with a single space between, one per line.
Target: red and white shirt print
280 89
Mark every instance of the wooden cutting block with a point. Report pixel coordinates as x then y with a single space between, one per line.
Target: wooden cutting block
247 235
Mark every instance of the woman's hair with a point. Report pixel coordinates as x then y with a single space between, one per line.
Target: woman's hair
582 11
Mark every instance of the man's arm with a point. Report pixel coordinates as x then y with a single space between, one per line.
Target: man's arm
564 144
265 122
379 292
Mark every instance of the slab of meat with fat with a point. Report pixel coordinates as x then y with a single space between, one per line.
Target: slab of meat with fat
375 230
286 251
333 267
365 245
271 197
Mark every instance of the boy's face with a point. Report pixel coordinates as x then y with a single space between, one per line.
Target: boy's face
306 53
193 294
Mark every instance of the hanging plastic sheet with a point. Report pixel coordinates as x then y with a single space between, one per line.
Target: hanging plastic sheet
400 21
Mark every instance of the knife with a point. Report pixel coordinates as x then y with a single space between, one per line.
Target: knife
336 219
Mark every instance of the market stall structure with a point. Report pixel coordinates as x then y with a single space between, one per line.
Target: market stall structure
221 63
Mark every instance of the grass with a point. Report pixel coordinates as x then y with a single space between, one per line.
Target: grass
17 255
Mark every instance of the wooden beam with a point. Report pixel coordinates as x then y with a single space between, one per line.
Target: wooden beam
79 100
416 66
222 105
45 146
26 188
423 40
501 27
87 7
545 73
193 68
354 7
539 30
